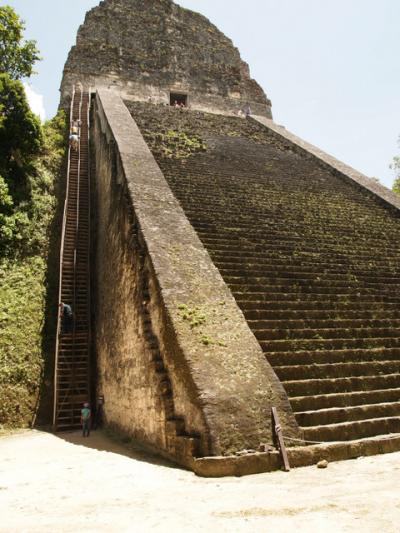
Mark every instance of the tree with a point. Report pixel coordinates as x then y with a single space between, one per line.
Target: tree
20 142
21 135
14 223
20 130
396 167
17 57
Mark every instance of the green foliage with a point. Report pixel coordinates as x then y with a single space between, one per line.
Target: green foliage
20 130
5 199
21 315
55 139
12 223
31 157
24 241
396 167
46 169
25 219
6 214
17 57
396 185
21 136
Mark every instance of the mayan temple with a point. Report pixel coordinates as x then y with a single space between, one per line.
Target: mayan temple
220 268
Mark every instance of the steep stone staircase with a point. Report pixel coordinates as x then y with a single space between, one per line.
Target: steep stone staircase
72 365
312 261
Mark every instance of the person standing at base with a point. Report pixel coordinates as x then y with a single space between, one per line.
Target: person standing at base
85 420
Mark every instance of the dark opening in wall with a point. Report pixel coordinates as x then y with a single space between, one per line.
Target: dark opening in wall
178 99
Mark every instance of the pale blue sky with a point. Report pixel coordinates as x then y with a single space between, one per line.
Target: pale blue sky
330 67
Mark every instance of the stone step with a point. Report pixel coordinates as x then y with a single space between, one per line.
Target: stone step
306 315
298 290
326 333
316 357
270 265
248 231
328 344
251 263
319 279
346 431
310 305
275 237
292 247
343 399
346 414
312 387
337 370
245 227
323 324
341 298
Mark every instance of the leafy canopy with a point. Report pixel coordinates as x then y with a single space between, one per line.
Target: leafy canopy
20 130
17 57
25 220
23 189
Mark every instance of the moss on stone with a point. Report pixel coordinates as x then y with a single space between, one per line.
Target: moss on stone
174 144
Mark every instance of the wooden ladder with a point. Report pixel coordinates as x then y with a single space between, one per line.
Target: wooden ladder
72 357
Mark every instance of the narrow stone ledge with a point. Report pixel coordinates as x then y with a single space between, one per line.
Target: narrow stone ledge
330 162
259 463
237 466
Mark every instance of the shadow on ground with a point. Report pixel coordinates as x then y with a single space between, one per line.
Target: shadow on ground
103 441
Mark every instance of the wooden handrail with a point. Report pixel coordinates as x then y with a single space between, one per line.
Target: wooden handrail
77 214
88 316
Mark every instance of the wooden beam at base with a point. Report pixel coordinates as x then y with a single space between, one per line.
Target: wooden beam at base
278 439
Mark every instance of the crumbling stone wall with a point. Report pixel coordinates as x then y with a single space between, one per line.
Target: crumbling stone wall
146 48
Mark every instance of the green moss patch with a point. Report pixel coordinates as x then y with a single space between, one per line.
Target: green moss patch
194 316
177 133
174 143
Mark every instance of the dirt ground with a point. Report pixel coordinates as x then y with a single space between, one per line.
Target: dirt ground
70 484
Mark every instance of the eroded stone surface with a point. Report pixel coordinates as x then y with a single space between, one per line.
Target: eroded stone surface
147 48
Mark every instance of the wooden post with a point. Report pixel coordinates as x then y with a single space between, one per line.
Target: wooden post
278 439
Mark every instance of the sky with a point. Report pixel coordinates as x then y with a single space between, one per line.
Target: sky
330 67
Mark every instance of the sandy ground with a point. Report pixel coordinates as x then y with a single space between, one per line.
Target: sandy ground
71 484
